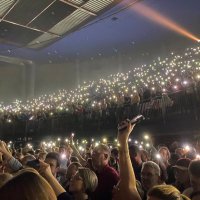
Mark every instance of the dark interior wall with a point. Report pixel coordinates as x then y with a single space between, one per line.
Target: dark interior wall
18 81
11 82
51 77
24 81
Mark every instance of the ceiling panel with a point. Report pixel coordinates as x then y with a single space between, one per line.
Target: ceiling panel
38 23
56 12
16 34
70 22
96 5
5 5
42 40
77 2
25 11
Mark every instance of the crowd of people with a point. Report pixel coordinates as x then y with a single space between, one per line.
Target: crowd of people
166 86
99 171
144 83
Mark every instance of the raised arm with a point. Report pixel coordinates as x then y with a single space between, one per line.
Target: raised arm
127 186
13 163
45 171
77 153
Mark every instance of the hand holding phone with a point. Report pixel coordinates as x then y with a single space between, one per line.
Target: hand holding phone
135 120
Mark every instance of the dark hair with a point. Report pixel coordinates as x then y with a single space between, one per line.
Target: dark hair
55 156
74 159
134 150
194 168
175 157
115 151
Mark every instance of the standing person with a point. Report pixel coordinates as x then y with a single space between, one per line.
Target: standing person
136 160
83 184
53 159
114 159
150 176
107 176
166 155
181 174
194 173
170 171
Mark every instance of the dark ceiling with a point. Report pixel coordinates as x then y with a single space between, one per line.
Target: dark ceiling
60 30
35 24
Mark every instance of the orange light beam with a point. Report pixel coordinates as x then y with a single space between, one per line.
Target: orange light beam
163 21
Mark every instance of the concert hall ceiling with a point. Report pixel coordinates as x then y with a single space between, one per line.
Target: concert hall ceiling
60 30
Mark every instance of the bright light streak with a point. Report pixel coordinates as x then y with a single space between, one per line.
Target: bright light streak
155 16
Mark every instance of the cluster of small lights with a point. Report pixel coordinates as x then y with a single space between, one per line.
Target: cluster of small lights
144 144
167 74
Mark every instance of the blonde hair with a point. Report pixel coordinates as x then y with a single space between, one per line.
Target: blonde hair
90 179
29 185
167 150
166 192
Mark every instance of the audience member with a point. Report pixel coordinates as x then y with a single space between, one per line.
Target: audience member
136 160
107 176
181 174
194 174
83 184
165 192
150 176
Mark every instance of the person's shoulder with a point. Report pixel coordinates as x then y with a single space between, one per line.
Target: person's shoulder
110 171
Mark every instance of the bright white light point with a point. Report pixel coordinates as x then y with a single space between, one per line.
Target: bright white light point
185 82
158 156
104 139
63 156
146 137
175 87
177 80
187 148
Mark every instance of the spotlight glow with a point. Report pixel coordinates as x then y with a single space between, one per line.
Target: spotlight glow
155 16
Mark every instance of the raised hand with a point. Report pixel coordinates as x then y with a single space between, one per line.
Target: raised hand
124 134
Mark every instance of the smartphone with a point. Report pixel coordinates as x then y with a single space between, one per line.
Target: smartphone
135 120
34 164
